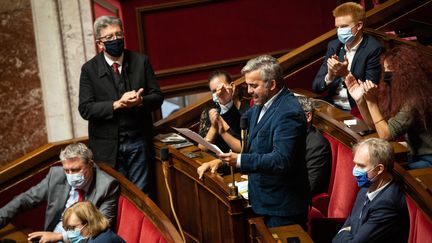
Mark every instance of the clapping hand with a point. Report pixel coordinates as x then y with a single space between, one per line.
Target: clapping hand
370 91
355 87
337 68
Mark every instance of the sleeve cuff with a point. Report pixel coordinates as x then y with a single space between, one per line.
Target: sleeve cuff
238 163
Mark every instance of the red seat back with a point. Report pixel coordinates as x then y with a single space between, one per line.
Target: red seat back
134 226
420 226
344 190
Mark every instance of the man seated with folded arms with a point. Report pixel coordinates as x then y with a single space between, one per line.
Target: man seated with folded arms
318 152
78 179
380 212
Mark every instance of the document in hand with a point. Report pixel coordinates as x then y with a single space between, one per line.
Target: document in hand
197 138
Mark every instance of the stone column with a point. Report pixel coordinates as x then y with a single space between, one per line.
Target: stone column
64 41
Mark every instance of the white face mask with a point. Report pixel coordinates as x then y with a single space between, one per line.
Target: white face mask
215 99
76 180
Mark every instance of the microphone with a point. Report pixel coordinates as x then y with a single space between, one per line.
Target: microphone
243 127
164 156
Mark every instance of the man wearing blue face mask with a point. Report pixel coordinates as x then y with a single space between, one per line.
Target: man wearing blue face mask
379 213
78 179
353 52
118 93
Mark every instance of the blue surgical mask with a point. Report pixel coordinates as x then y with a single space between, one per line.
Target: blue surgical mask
115 47
362 177
345 35
76 180
215 98
74 236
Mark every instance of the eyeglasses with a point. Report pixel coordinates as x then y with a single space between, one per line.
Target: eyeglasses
117 35
75 228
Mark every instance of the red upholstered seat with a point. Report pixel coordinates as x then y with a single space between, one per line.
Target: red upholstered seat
330 210
420 226
134 226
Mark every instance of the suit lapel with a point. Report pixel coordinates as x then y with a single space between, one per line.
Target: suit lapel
104 74
359 52
269 113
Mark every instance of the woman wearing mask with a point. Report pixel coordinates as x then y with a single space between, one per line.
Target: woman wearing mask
404 106
83 222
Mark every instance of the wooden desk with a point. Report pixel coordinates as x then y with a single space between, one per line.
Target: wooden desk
282 233
12 233
424 177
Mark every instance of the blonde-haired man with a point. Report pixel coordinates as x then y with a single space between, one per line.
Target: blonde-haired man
353 52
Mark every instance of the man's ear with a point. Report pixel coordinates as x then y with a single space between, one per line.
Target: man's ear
273 85
100 45
308 117
359 25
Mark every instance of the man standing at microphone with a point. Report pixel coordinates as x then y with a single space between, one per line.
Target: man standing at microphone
278 184
118 92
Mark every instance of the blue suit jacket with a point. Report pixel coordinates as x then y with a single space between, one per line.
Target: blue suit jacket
108 236
365 65
384 219
275 158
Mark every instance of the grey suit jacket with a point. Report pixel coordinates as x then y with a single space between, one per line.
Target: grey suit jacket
54 189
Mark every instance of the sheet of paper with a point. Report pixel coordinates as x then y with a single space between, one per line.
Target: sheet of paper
197 138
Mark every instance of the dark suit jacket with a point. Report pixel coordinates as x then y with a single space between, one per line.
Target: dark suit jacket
54 190
108 236
318 161
97 93
384 219
365 65
275 158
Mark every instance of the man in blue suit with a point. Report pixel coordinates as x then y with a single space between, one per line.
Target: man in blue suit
352 52
275 156
380 213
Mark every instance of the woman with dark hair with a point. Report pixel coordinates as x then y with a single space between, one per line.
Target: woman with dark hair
404 104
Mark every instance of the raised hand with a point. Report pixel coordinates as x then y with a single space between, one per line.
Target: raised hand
225 93
354 87
337 68
370 91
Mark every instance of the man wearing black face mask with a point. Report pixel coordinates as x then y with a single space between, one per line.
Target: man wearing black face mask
380 212
118 92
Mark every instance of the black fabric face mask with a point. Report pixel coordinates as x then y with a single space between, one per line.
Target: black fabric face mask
387 77
115 47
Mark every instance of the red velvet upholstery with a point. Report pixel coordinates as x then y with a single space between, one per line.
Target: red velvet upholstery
133 226
344 189
420 226
329 211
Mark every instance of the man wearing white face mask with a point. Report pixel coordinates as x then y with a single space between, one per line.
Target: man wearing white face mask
353 52
380 213
78 179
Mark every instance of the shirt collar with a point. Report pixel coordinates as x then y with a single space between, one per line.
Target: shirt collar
271 100
110 62
372 195
354 48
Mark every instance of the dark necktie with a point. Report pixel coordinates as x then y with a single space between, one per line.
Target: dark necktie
80 195
115 67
